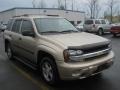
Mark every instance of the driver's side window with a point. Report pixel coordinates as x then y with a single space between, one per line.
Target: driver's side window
26 26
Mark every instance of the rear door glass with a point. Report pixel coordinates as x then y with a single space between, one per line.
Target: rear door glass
9 26
88 22
16 26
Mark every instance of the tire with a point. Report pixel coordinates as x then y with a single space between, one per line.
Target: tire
115 35
9 51
49 71
100 32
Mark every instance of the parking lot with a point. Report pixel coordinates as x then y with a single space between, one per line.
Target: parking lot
16 76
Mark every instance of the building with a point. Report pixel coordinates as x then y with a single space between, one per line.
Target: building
74 17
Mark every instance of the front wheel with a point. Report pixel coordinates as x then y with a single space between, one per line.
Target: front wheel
49 70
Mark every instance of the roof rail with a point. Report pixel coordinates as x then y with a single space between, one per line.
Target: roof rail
21 15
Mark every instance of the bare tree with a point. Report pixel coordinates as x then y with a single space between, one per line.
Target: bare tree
65 4
33 3
42 4
61 5
111 4
72 5
105 14
94 8
118 15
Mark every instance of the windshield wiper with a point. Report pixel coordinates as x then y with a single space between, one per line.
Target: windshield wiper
69 31
51 32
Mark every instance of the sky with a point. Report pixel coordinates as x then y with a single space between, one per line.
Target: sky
79 5
6 4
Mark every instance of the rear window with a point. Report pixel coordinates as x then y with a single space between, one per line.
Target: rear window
89 22
16 26
97 22
9 26
103 22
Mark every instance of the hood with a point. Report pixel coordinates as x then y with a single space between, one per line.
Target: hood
81 39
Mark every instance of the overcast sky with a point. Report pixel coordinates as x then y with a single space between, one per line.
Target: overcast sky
80 4
6 4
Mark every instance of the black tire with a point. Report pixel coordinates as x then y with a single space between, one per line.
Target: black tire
114 34
51 75
9 51
100 32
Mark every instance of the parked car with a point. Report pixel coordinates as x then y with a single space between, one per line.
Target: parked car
53 46
115 30
98 26
80 26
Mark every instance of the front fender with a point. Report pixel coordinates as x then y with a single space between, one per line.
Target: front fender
57 53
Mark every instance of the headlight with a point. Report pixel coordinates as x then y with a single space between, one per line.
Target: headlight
75 52
68 53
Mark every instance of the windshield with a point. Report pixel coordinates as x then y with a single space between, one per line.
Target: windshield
52 25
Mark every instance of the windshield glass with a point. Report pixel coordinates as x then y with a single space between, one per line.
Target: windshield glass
52 25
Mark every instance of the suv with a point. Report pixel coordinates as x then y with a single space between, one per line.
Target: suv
56 48
99 26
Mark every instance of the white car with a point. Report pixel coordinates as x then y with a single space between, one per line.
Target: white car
99 26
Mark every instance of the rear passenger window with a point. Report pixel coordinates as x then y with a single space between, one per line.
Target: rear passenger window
97 22
9 26
26 26
89 22
16 26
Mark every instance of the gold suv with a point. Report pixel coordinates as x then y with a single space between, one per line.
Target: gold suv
56 48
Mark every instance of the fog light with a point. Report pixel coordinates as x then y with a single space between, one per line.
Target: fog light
76 74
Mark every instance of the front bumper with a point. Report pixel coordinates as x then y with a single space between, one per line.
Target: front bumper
80 70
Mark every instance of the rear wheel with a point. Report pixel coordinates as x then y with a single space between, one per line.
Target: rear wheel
9 51
114 34
100 32
49 70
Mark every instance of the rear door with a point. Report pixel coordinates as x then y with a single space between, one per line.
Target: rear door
27 43
14 35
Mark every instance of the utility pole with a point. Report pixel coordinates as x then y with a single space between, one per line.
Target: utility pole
65 5
72 5
33 3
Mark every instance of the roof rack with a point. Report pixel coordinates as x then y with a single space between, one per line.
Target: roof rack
27 15
22 15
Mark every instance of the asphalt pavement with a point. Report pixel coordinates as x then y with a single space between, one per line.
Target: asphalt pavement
16 76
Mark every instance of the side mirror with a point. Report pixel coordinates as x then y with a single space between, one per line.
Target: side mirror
28 33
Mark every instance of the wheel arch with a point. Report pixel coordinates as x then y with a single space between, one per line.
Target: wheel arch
41 54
